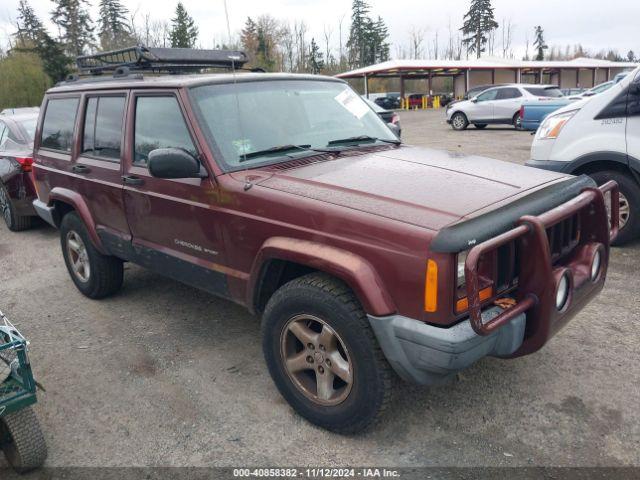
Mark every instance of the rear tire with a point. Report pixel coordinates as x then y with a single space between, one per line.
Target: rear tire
22 441
314 304
480 126
629 204
95 275
515 121
14 222
459 121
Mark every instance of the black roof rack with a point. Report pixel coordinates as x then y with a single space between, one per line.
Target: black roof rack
159 60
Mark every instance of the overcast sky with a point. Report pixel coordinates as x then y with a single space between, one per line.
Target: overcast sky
596 24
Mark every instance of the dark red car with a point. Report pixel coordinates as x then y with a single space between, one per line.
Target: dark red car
16 181
287 194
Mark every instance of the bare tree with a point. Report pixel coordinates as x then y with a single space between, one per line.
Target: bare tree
435 46
507 32
416 37
327 42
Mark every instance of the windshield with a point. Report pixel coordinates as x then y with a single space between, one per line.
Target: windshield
249 123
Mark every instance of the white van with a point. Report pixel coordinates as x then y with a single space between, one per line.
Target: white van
598 136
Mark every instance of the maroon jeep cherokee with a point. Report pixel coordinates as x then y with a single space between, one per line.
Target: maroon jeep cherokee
288 194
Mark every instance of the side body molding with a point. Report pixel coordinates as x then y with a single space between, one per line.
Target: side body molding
80 206
354 270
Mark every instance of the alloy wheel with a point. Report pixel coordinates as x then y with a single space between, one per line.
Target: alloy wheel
458 122
625 208
78 256
316 360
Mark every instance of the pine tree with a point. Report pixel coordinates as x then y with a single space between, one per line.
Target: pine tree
29 25
74 24
478 22
184 32
631 56
32 36
315 57
114 32
539 43
360 27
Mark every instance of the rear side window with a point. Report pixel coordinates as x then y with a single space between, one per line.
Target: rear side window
508 93
544 92
59 119
159 124
103 127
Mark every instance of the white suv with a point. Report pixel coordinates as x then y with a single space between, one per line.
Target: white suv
499 105
598 136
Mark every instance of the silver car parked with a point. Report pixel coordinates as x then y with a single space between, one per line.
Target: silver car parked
499 105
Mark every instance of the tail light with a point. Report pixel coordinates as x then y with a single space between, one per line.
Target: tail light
395 119
521 112
26 163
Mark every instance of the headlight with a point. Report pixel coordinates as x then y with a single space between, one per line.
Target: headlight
595 266
563 291
462 258
553 124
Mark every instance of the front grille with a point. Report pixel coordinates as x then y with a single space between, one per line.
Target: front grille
563 237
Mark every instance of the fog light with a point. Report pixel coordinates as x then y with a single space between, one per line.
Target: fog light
562 292
595 265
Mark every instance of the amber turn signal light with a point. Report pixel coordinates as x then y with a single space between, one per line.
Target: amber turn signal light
431 287
462 305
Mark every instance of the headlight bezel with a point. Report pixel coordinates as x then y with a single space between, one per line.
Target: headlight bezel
553 125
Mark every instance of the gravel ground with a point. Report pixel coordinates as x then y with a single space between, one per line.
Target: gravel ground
163 374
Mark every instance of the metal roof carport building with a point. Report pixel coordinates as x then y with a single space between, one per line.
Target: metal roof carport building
580 72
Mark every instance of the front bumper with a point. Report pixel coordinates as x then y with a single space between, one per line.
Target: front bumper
552 165
429 355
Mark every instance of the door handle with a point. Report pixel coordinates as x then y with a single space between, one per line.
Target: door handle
132 180
80 169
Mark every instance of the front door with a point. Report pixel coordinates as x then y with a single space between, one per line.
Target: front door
174 222
481 109
633 125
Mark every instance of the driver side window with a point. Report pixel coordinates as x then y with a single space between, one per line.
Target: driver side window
488 95
159 124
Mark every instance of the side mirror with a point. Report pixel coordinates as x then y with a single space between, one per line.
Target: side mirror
173 163
474 100
394 128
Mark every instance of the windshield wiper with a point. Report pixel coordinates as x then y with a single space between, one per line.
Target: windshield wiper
281 149
361 139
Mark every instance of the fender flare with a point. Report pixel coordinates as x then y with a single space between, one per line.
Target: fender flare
80 206
352 269
607 156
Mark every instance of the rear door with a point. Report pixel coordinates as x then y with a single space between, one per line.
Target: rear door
97 169
174 222
507 104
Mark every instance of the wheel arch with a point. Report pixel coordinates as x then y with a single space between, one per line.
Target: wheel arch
602 161
64 201
282 259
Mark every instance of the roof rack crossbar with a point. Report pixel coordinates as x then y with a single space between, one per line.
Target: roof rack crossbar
172 60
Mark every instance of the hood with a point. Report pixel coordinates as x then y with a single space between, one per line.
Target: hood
424 187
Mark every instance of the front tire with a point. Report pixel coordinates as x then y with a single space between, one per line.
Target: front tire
22 441
629 204
14 222
95 275
323 355
459 121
